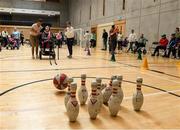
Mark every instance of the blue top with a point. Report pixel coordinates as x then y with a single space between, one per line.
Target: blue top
172 43
16 35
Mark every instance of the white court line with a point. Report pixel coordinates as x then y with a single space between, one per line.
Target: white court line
154 94
153 75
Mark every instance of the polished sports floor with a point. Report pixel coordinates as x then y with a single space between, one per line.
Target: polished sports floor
29 101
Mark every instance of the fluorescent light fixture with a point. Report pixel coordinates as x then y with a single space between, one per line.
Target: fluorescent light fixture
28 11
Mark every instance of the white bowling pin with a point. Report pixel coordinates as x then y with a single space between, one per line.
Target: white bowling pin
68 93
72 105
120 91
108 91
138 96
99 93
82 92
114 101
93 103
103 86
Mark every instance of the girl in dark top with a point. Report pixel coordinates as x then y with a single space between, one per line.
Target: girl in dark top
47 38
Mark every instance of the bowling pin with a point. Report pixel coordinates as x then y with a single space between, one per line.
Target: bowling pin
82 92
99 93
68 93
114 101
93 103
72 105
120 91
108 91
138 96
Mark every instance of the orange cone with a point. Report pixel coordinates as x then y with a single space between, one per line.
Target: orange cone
145 64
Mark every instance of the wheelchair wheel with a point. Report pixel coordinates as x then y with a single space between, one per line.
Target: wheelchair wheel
144 52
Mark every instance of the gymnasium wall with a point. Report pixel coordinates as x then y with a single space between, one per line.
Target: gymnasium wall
151 17
25 4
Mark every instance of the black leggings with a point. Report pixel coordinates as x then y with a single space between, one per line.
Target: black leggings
70 42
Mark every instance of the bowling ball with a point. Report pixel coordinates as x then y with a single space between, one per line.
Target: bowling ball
60 81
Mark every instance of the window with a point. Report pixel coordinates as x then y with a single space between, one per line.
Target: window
104 7
124 4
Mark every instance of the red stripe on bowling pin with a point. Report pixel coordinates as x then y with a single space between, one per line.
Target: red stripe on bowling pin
83 82
138 87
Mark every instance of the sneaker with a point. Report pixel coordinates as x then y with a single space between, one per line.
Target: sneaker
153 55
33 57
69 56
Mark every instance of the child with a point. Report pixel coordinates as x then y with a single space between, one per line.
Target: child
59 39
47 38
87 37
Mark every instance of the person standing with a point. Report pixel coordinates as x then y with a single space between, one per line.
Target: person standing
105 38
113 38
22 38
69 32
5 37
132 40
34 36
87 37
93 40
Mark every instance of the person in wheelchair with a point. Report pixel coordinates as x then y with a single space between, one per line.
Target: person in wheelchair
141 44
46 39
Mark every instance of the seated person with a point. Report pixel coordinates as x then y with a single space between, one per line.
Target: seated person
171 47
125 42
16 36
162 45
141 42
46 38
177 33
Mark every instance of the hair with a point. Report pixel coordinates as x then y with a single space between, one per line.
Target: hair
164 35
40 20
173 34
113 26
68 22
